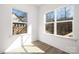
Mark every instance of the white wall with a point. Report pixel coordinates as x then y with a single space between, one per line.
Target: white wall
6 38
1 32
76 26
65 44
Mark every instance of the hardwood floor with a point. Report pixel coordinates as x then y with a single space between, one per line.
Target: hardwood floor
48 49
37 47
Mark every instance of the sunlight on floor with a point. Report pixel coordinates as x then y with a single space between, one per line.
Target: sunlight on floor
27 49
34 49
20 40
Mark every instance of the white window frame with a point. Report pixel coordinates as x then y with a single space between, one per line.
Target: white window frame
18 22
47 23
55 24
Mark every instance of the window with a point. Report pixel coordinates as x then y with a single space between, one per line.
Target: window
19 22
50 22
63 19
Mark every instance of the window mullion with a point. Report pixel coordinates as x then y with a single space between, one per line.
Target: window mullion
55 25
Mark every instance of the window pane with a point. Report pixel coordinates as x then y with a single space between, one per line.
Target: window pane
50 17
50 28
69 13
65 13
61 14
64 28
19 15
19 28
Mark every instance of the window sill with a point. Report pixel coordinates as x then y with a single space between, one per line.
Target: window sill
72 38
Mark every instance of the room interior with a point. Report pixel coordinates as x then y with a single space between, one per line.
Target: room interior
39 29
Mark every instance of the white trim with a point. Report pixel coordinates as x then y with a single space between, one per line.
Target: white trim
21 22
55 25
49 22
60 36
65 21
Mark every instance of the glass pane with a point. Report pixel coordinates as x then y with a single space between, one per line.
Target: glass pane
61 14
50 28
64 29
65 13
19 15
19 28
69 13
50 17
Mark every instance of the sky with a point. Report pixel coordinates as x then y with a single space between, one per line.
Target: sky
18 12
